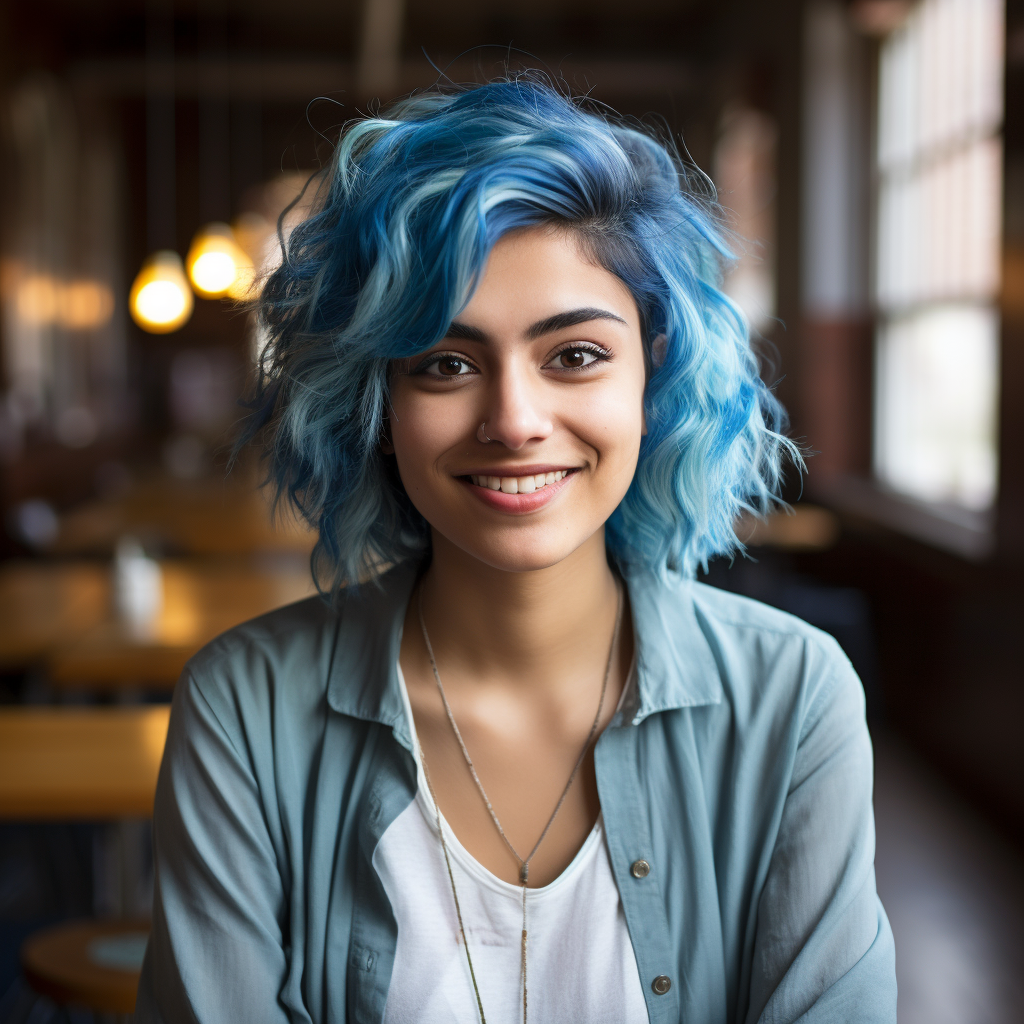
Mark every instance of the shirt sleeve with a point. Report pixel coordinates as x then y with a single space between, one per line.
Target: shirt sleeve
823 950
216 952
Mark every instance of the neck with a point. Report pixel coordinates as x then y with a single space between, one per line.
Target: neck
528 627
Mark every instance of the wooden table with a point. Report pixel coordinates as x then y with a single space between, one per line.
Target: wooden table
80 763
201 600
206 517
67 963
805 528
60 617
43 606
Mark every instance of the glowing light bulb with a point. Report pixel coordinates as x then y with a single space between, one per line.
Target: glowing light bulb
213 261
160 300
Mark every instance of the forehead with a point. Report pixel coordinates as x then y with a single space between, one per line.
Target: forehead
537 272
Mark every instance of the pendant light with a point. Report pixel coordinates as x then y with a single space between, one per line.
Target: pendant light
214 261
160 300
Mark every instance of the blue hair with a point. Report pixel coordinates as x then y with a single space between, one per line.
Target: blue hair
404 218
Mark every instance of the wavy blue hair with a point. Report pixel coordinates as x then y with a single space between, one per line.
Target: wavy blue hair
403 220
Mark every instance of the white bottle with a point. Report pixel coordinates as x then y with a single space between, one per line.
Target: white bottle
138 588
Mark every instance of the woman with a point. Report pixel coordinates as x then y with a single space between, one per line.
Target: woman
522 767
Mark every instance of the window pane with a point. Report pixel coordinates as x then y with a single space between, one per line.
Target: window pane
744 171
935 400
937 251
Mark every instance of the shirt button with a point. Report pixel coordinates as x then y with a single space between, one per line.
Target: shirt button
661 984
640 869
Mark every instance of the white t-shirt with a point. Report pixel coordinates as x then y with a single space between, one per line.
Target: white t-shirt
580 963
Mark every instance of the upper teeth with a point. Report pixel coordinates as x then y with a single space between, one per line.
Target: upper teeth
519 484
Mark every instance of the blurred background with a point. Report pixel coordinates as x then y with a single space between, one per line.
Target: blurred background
870 153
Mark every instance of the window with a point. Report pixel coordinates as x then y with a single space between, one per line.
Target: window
744 172
939 174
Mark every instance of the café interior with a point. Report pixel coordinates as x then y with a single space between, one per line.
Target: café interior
153 158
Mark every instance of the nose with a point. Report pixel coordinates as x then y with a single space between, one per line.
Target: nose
515 413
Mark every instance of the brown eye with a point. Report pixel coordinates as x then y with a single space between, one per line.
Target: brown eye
575 358
449 366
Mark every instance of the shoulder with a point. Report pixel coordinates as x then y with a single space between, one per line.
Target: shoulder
270 646
746 617
290 664
798 668
274 668
766 661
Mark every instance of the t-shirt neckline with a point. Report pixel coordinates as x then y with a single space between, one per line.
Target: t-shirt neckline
460 854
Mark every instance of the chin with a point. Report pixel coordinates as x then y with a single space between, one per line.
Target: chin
520 551
525 561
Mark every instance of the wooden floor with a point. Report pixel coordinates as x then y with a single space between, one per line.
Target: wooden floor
954 893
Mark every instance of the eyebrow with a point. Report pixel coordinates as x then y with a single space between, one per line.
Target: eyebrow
558 322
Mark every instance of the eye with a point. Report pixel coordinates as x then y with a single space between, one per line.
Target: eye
576 357
445 365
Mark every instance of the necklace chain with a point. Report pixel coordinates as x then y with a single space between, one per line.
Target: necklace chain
524 862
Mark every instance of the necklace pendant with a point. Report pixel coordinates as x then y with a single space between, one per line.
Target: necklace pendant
524 874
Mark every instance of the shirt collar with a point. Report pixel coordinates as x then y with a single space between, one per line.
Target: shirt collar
676 667
364 670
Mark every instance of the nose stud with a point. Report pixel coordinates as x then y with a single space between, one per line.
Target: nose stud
481 434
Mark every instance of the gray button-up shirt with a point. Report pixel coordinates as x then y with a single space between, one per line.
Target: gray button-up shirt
740 773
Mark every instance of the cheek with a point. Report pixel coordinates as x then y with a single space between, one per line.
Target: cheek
422 432
612 423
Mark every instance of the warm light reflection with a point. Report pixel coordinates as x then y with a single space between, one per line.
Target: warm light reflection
253 232
243 288
36 300
181 620
160 299
84 305
153 734
213 261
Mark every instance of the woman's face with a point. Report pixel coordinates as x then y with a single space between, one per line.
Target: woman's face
548 357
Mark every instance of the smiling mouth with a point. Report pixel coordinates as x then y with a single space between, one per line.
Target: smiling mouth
520 484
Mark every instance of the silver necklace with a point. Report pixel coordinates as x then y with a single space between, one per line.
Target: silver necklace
524 862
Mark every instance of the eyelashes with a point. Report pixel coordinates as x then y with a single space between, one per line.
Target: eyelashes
453 365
